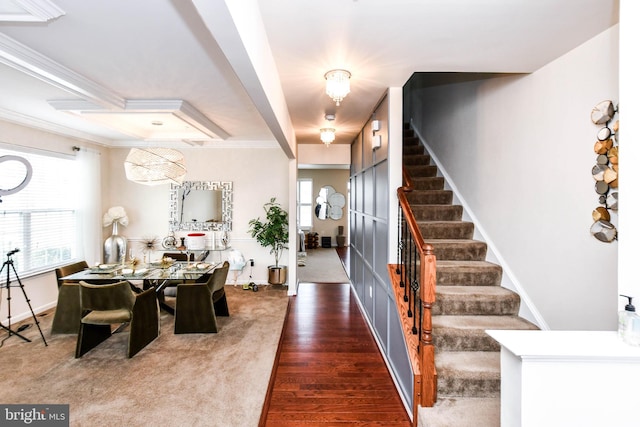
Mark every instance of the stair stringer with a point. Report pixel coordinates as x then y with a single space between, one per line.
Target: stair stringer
528 309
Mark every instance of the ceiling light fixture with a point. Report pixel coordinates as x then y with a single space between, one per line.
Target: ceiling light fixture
337 84
327 135
155 166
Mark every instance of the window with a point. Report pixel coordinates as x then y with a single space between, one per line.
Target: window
305 203
39 220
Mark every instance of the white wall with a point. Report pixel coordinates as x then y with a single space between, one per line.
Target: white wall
520 151
327 156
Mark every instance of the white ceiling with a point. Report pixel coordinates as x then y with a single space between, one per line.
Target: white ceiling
104 70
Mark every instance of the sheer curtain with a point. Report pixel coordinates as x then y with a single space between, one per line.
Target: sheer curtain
90 205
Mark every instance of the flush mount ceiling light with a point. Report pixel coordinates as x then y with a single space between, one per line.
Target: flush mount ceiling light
337 84
327 135
155 166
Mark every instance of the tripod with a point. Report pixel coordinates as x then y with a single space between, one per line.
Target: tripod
8 264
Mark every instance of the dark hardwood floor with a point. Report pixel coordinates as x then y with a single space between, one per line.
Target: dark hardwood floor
329 371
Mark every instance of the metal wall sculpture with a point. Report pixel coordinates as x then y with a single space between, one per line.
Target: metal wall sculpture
605 172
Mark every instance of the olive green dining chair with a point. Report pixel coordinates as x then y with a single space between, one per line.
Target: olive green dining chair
198 303
66 319
116 303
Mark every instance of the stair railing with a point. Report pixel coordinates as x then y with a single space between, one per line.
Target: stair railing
414 282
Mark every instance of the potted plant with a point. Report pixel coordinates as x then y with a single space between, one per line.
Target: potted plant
273 233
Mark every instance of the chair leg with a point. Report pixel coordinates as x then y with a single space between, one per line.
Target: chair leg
220 306
90 336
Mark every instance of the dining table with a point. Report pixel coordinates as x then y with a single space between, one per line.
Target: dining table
156 275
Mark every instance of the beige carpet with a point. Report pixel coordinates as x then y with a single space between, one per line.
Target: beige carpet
323 265
178 380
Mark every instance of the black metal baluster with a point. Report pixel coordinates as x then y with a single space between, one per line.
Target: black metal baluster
410 267
405 247
398 251
415 285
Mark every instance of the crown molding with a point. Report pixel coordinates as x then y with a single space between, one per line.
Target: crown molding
30 62
31 122
31 11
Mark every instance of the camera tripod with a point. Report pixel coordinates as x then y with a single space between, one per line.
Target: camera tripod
8 264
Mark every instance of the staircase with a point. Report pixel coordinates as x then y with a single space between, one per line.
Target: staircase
469 300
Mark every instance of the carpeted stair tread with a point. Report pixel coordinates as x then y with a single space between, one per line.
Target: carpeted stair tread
481 323
475 300
437 212
426 183
412 149
416 159
421 170
458 249
469 363
468 273
430 197
468 373
461 412
446 229
467 333
410 138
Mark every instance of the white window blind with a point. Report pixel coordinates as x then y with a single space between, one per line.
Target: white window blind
305 203
40 220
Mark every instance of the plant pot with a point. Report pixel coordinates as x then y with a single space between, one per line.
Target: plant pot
277 275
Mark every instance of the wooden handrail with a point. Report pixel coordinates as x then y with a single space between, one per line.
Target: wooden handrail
421 351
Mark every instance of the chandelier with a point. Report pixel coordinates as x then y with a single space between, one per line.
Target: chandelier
327 135
155 166
337 84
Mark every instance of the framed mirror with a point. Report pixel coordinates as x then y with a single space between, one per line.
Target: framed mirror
200 206
329 203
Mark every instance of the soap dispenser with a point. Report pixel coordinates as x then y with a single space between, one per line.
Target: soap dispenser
629 323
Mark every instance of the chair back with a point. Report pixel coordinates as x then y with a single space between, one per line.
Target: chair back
66 270
178 256
218 278
112 296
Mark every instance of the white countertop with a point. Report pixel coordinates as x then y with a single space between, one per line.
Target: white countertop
566 345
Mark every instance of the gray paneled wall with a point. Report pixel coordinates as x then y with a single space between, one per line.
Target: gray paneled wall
369 235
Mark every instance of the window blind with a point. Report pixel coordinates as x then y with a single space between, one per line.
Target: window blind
40 220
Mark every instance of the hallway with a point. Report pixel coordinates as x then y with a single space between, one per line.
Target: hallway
329 370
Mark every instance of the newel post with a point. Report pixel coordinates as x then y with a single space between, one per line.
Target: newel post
427 351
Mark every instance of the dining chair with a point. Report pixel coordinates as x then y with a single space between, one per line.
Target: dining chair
116 303
170 287
197 304
66 319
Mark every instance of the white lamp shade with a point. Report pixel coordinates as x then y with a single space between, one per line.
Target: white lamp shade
155 166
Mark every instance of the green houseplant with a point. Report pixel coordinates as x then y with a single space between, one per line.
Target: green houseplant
274 234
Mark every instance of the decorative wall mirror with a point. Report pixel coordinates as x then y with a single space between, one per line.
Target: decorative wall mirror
200 206
329 203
